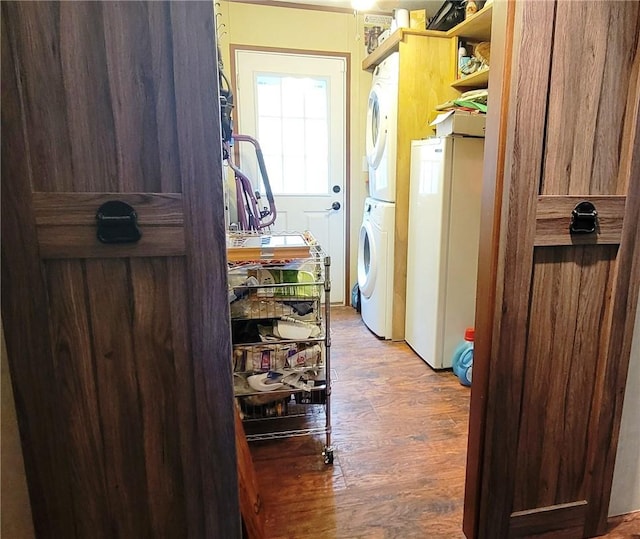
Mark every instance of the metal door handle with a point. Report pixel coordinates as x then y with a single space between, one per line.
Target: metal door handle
117 222
335 206
584 219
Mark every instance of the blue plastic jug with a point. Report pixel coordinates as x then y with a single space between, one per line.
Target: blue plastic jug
462 361
466 367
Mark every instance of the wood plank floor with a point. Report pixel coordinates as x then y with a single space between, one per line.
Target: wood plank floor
400 433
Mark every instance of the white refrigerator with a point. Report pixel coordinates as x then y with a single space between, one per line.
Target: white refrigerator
443 235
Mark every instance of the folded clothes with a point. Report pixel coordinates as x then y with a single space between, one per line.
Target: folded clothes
473 99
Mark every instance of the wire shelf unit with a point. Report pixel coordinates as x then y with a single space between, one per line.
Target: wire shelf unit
280 313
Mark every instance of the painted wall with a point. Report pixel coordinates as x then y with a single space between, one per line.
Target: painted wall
625 495
266 26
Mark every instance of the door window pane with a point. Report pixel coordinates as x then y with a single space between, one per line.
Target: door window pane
293 130
269 94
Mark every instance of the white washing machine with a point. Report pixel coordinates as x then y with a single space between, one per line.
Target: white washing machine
375 266
382 125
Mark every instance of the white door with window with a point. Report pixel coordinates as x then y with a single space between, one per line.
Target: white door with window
295 105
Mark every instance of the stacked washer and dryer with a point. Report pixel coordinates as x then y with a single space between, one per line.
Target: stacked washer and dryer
376 243
442 247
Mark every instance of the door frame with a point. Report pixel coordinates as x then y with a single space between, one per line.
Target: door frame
233 47
494 340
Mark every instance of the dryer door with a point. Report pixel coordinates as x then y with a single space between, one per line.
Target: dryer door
376 134
366 260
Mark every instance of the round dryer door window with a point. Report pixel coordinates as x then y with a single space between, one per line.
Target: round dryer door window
366 260
376 135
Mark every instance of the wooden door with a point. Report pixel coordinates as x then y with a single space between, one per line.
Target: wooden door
119 353
555 310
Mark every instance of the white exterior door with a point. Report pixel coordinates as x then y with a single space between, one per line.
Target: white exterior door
295 105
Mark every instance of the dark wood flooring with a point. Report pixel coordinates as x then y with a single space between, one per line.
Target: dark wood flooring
400 433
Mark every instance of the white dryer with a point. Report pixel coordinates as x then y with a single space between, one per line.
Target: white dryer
382 124
375 266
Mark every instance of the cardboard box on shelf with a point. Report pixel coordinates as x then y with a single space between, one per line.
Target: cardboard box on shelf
244 247
459 122
418 19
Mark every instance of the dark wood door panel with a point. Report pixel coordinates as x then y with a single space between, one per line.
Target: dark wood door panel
118 395
127 392
23 298
72 350
624 299
114 128
133 94
119 354
504 342
570 297
127 396
556 356
160 391
43 115
588 96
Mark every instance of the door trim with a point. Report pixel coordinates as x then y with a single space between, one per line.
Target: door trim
233 47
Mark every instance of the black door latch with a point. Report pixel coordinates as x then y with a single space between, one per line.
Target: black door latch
584 219
117 223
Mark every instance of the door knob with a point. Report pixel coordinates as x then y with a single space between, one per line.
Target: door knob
334 206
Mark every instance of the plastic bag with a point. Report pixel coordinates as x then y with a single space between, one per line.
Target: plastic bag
450 13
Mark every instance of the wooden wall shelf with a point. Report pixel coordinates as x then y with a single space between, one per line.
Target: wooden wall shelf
477 27
392 44
480 79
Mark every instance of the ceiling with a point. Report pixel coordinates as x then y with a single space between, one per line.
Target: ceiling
379 5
